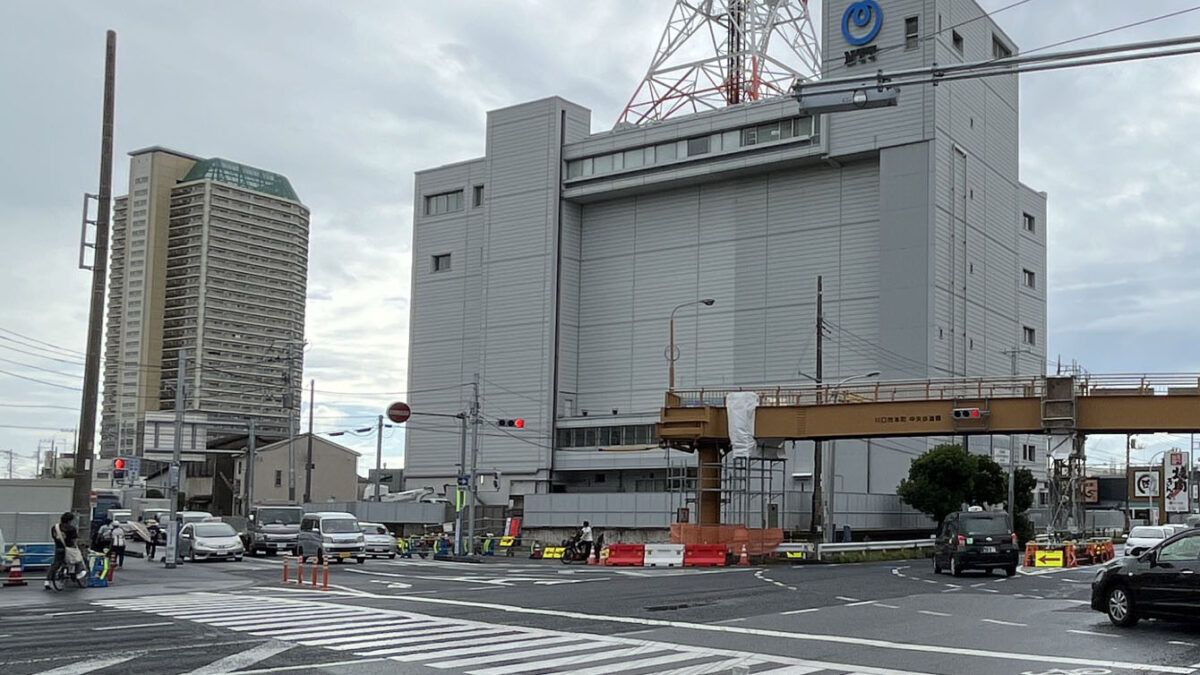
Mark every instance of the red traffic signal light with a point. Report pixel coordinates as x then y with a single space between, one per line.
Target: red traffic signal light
118 463
518 423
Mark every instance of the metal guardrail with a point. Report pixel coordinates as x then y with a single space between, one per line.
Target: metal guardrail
1152 384
818 551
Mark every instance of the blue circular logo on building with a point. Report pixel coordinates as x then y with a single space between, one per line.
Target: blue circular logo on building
865 15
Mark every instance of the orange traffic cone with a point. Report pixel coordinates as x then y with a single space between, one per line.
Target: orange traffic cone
14 572
744 561
592 557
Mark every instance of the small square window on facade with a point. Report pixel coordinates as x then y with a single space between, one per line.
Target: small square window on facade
1029 335
278 479
698 146
911 30
1028 220
446 202
477 196
957 41
1030 278
441 262
999 49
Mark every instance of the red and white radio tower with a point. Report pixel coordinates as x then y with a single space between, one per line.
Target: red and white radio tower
714 53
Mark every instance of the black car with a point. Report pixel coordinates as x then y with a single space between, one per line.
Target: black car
976 540
1162 583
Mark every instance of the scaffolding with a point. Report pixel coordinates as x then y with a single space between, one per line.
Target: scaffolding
750 490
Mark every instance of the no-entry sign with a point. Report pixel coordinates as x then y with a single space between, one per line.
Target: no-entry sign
399 412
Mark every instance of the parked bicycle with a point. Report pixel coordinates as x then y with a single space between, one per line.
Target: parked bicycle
69 575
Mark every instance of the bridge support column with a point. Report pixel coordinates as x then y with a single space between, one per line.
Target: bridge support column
708 484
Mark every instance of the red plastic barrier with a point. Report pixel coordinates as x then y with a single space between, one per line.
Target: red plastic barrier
704 555
625 555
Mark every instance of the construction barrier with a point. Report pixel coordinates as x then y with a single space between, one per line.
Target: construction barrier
758 541
625 555
663 555
704 555
14 570
552 552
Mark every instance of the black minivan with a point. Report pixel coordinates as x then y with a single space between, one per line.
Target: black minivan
976 540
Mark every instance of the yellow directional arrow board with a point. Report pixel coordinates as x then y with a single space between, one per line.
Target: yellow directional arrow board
1048 559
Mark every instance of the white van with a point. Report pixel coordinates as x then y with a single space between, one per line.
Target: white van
331 534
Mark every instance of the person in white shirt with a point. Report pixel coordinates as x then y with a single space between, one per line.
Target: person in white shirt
118 545
585 536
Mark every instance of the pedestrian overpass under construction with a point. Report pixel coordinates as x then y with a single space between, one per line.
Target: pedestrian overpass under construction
1072 407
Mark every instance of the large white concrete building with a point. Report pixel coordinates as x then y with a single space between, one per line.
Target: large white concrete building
212 256
549 266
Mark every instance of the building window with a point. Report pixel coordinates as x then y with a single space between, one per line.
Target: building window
698 146
1029 222
441 262
1028 452
999 49
278 478
1030 278
957 40
477 196
1029 335
446 202
911 28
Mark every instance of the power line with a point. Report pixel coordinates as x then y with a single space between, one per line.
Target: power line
40 356
510 391
35 405
72 352
1113 30
44 370
34 379
18 426
390 393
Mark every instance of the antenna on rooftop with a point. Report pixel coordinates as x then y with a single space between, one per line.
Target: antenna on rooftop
714 53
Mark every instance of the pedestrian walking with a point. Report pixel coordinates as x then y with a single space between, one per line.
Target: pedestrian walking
585 538
118 545
151 543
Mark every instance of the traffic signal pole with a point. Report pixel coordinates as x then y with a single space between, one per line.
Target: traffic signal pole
471 496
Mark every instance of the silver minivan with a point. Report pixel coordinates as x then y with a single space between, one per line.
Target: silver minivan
331 534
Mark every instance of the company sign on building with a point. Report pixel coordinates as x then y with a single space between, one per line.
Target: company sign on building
1176 468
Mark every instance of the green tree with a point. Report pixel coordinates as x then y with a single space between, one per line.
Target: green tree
991 482
939 481
1024 485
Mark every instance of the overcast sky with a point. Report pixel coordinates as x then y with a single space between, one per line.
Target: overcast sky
348 99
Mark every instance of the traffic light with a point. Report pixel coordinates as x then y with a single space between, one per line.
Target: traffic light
496 480
118 474
517 423
967 413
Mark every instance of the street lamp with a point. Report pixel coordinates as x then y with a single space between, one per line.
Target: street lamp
831 495
671 355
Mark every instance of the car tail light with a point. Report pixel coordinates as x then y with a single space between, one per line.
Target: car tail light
1014 538
962 542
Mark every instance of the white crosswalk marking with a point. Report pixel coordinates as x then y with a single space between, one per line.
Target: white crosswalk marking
242 659
460 645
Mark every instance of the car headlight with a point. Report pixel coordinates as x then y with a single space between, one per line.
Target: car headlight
361 539
327 539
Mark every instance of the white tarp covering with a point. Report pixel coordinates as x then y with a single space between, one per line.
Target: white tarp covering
739 409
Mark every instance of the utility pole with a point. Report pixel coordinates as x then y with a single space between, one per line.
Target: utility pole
250 467
471 489
1128 449
10 462
378 456
818 497
308 465
176 452
462 467
81 491
1012 452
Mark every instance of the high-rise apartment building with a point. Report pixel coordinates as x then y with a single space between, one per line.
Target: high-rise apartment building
211 256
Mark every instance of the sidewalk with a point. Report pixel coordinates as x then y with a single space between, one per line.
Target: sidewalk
136 579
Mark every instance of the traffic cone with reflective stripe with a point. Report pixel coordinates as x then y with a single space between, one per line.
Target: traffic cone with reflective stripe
592 557
14 572
744 561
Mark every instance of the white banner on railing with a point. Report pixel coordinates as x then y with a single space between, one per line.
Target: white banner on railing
1176 468
740 409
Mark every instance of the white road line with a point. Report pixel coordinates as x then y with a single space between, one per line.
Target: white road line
305 632
89 665
989 590
845 599
1090 632
707 668
809 637
341 637
401 638
538 664
929 581
422 652
880 604
427 642
998 622
82 611
731 620
648 662
1170 642
307 666
930 612
800 611
136 625
860 603
242 659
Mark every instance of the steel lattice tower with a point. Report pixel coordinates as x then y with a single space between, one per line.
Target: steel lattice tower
714 53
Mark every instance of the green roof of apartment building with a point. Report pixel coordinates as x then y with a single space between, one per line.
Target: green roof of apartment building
240 175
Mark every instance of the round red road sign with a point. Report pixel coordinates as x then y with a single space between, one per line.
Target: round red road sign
399 412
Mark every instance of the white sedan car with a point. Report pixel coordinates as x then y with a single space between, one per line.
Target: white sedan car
1145 537
379 542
